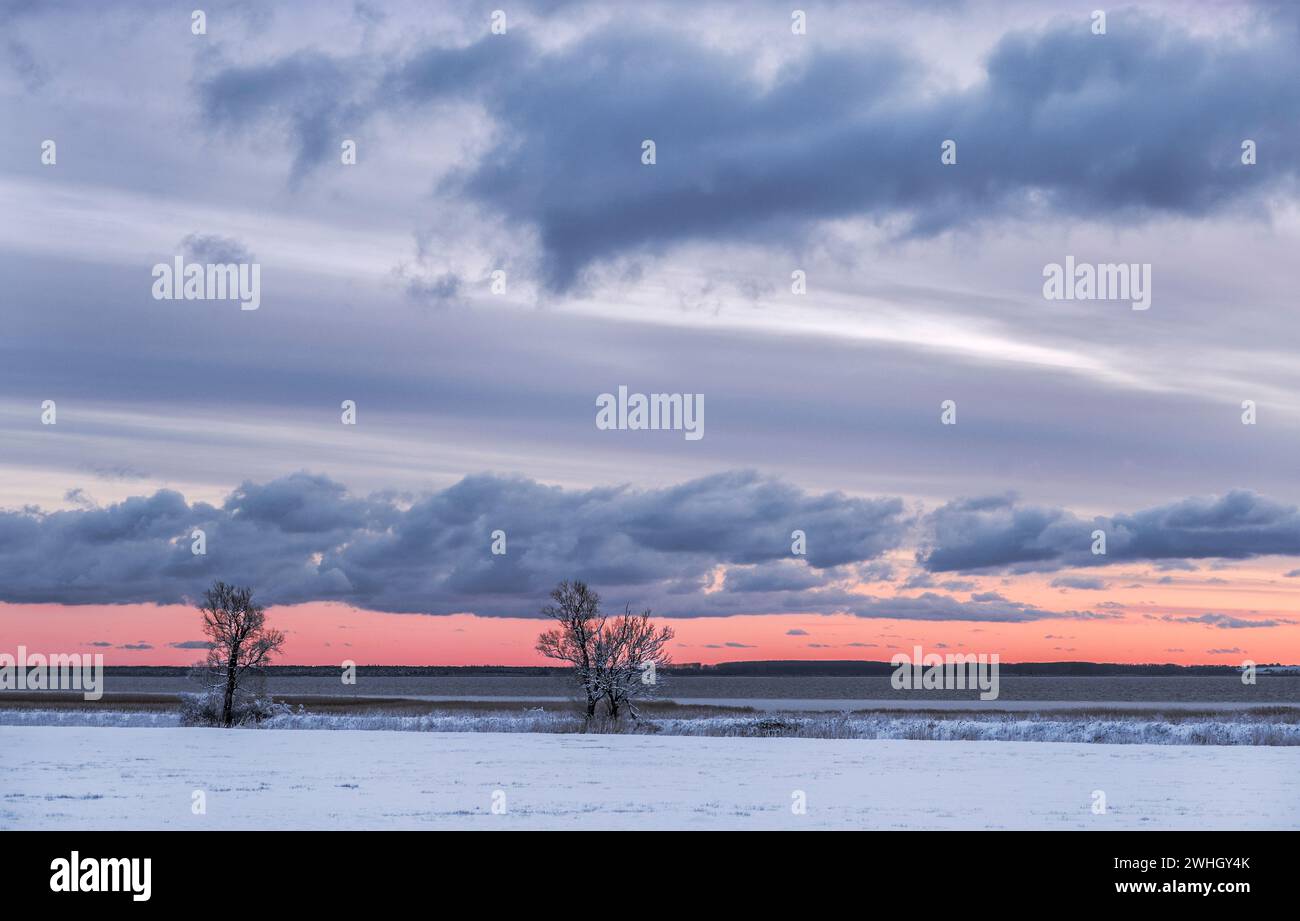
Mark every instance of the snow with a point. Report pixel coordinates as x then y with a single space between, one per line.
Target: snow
1125 729
68 777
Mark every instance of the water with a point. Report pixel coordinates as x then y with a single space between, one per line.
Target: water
1268 690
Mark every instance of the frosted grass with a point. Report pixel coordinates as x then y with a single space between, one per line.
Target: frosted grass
1229 729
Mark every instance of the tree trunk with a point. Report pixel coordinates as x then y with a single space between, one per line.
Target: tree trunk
228 706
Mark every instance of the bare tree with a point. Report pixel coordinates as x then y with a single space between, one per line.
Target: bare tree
241 643
614 661
576 612
631 651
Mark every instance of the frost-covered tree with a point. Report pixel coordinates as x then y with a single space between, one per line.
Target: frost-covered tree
611 658
631 651
578 623
240 643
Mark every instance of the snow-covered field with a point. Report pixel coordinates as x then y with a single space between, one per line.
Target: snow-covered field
1127 728
92 777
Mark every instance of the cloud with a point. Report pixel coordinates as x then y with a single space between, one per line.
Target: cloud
1083 582
214 249
796 632
303 537
1228 622
305 95
782 575
996 533
437 290
1061 124
191 644
713 546
24 65
928 606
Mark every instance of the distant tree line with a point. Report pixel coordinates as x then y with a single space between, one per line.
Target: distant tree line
776 668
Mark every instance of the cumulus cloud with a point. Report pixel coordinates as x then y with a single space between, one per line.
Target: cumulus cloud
303 537
997 533
714 546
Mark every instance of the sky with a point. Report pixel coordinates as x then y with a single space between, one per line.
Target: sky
847 223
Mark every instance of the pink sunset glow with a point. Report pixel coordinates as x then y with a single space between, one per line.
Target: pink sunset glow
1147 621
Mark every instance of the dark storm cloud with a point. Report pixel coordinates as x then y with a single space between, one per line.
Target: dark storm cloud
1145 120
304 538
997 534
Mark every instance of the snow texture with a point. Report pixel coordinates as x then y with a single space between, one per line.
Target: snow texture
72 777
1225 729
